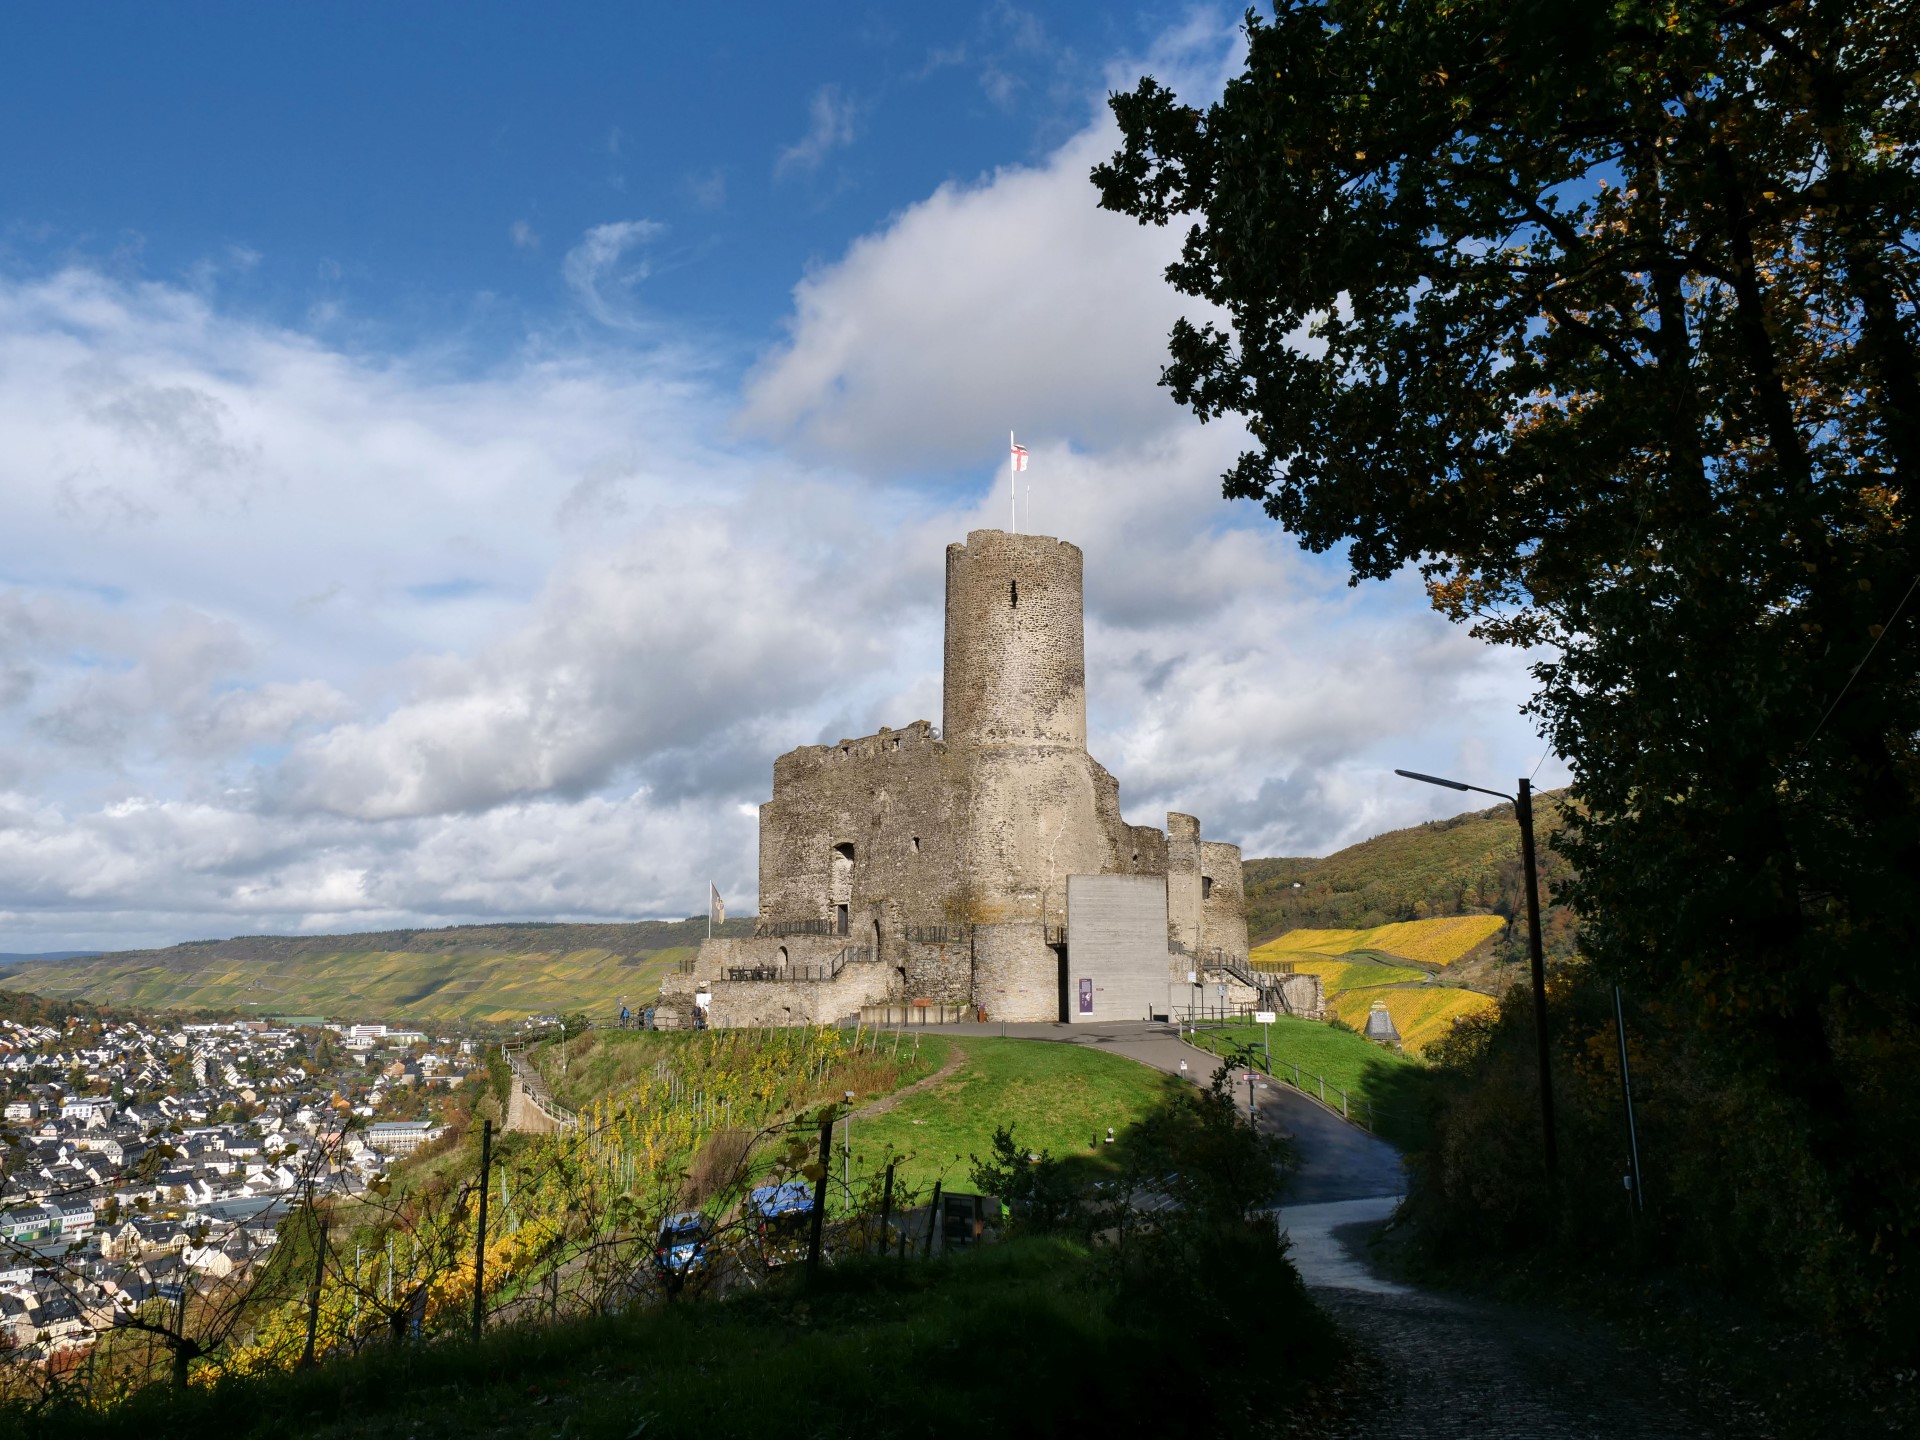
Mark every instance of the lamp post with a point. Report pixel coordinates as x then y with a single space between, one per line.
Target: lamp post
846 1155
1523 812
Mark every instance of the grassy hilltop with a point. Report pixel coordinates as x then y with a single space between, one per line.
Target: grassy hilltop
465 972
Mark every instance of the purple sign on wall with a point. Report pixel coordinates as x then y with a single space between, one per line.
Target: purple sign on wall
1086 996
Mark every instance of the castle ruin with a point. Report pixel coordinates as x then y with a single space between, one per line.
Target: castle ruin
984 870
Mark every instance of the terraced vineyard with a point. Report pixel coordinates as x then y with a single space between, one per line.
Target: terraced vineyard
473 973
1403 965
1429 942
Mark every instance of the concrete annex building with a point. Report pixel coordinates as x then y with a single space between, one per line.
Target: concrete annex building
985 868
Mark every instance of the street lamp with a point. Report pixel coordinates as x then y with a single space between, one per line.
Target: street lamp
1523 811
846 1154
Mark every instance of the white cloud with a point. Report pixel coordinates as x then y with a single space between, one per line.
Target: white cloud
1013 301
601 277
523 236
294 639
830 126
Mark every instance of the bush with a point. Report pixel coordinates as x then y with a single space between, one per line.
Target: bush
1740 1202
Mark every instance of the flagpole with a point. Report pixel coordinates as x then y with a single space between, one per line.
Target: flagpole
1013 500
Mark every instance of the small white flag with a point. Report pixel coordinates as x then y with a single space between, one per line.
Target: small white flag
716 907
1019 457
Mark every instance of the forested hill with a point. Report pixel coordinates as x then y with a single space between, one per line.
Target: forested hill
1464 866
464 972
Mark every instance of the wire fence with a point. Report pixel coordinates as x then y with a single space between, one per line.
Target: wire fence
1212 1036
717 1166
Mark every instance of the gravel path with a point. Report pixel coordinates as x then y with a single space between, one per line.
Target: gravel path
1438 1368
1433 1367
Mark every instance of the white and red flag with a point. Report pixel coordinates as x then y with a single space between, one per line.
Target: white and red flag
1016 462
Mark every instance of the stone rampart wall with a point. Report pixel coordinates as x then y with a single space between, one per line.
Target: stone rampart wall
1223 904
809 1002
892 799
1183 881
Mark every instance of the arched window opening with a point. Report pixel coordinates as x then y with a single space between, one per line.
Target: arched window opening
840 886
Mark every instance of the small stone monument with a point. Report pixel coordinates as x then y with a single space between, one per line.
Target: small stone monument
1380 1026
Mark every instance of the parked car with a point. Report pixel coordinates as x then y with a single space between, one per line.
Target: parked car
680 1249
782 1219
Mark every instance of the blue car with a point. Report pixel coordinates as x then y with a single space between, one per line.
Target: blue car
681 1247
781 1216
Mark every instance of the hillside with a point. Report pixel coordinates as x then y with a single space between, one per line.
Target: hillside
1334 907
1464 866
1428 921
472 973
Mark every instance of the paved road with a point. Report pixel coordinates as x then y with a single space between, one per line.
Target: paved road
1437 1367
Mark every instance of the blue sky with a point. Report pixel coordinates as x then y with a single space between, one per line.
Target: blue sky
452 450
419 168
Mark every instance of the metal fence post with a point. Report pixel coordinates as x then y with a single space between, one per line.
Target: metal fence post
313 1292
820 1195
933 1219
480 1235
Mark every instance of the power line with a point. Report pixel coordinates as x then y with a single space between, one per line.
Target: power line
1891 619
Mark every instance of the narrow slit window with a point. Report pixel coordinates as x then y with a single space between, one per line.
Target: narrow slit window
1206 887
1013 593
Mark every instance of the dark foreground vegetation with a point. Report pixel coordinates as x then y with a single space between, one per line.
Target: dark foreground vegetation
1739 1278
1616 320
1039 1336
1144 1294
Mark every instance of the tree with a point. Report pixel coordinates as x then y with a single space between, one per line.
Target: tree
1604 317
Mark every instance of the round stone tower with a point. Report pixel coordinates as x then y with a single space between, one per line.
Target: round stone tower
1016 670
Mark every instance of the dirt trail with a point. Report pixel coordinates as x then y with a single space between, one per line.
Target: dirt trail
955 1060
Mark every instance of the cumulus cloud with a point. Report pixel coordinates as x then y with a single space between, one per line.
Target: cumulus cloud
293 639
662 645
1012 300
830 126
600 274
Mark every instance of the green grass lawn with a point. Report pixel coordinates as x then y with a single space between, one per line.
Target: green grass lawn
1059 1098
1392 1083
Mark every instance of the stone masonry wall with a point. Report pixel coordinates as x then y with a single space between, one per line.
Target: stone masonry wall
1029 822
1016 977
1223 904
1183 882
1015 651
890 797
